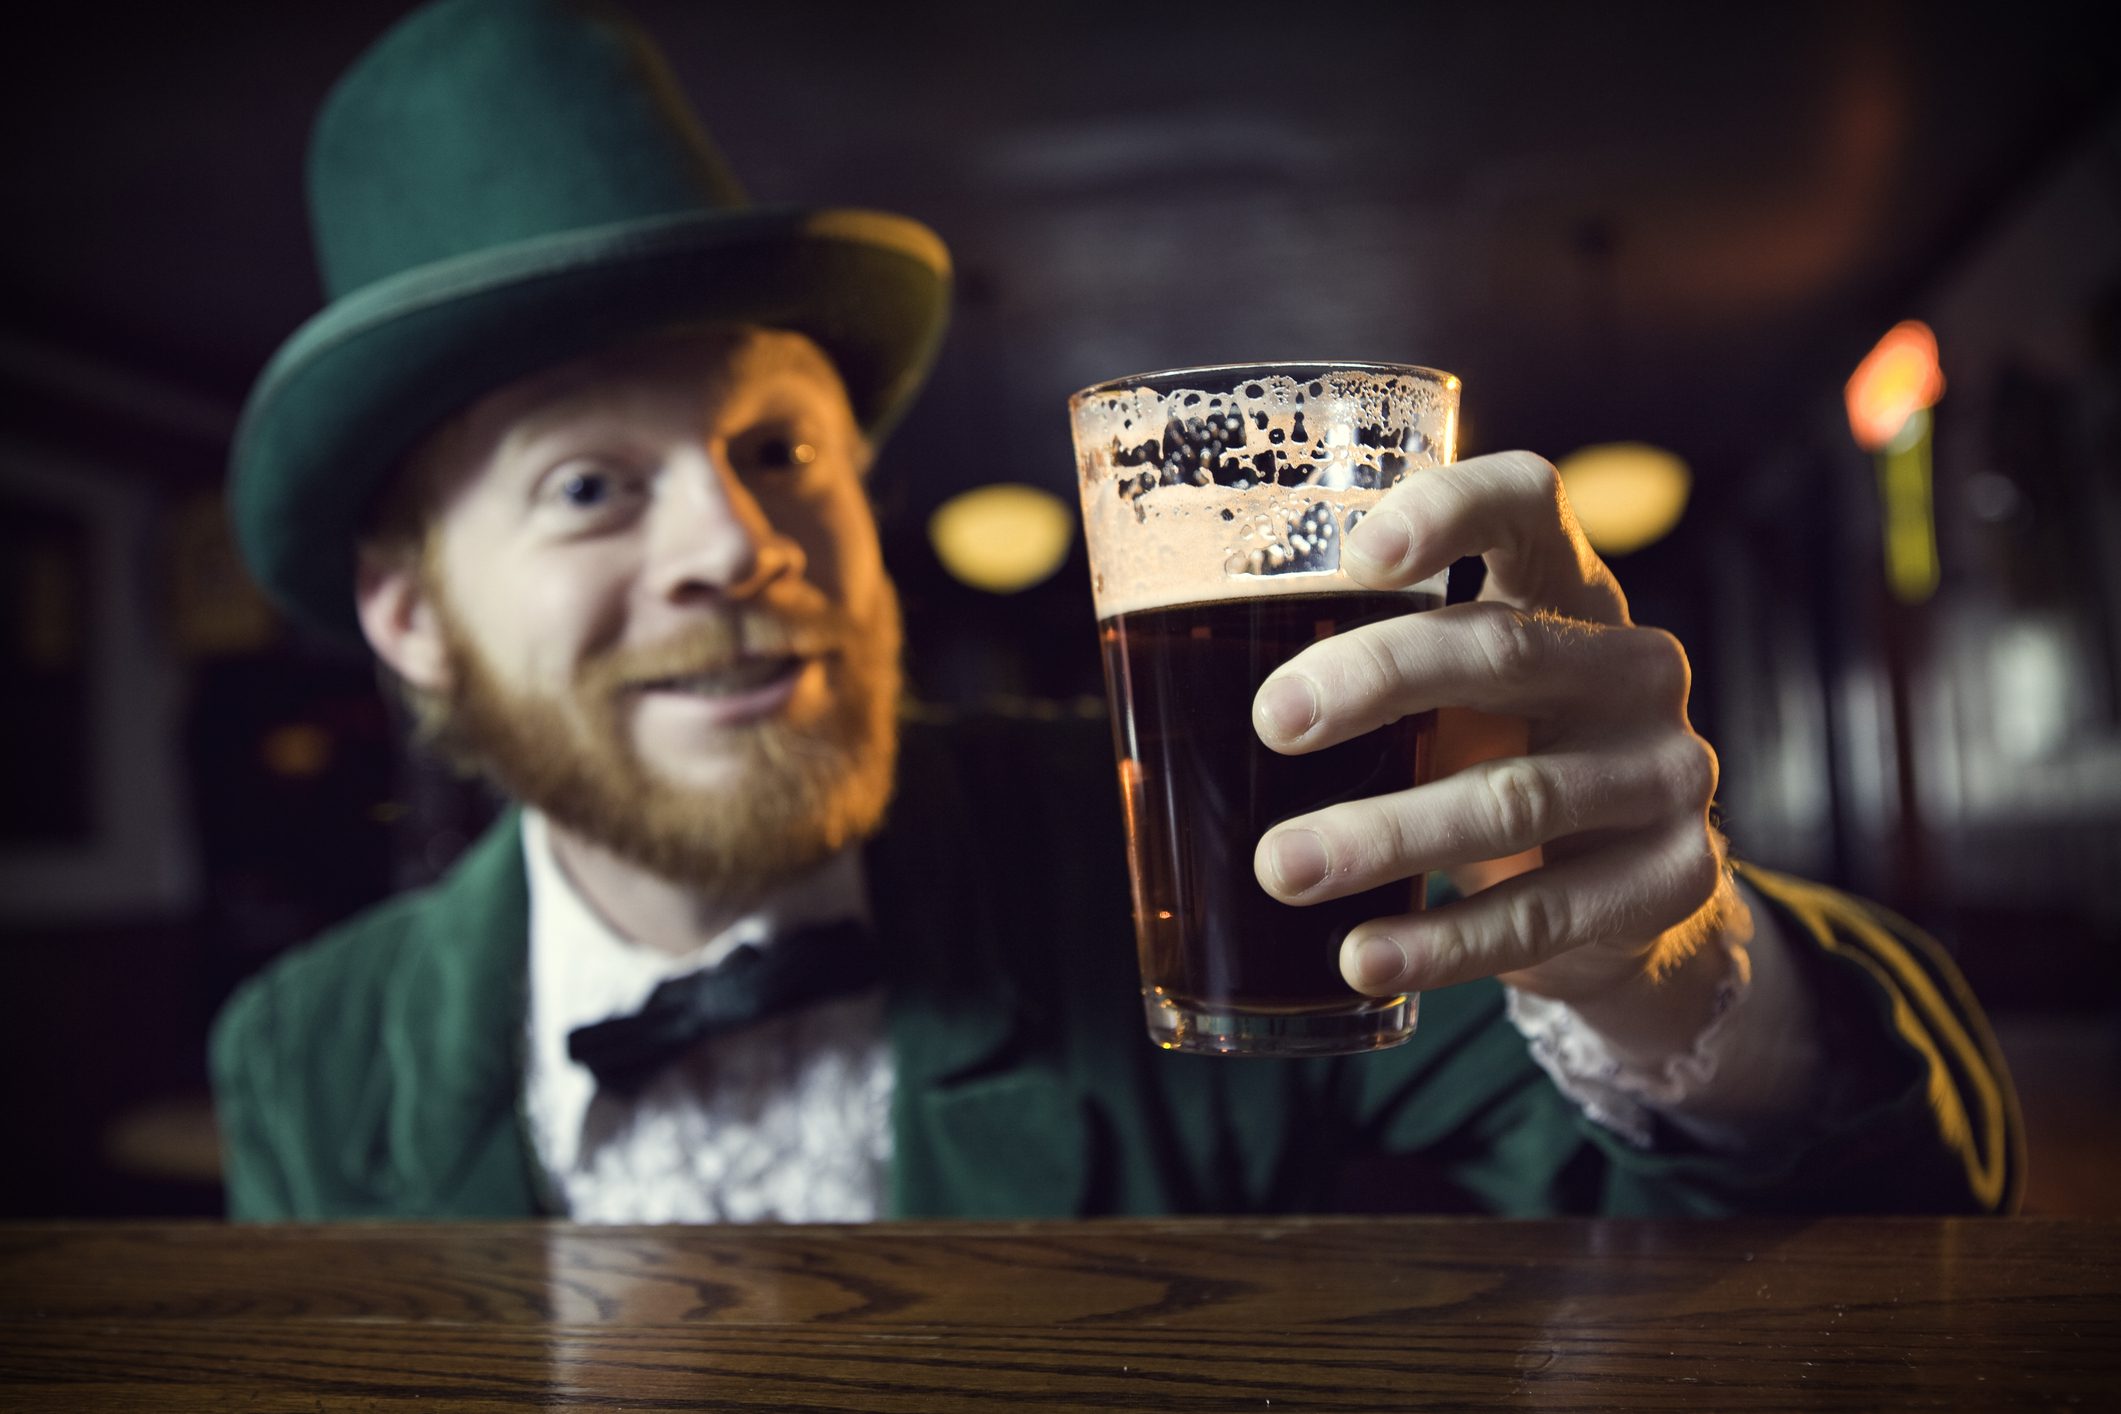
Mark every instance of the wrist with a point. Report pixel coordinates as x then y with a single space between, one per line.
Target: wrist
1660 1008
1653 1016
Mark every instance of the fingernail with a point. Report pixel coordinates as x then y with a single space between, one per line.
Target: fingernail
1381 541
1376 964
1298 858
1289 705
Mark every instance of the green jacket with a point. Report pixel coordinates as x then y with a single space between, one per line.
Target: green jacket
377 1072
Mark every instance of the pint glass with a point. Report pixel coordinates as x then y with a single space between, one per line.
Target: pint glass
1215 502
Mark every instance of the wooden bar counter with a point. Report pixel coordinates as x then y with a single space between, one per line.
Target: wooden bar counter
1204 1314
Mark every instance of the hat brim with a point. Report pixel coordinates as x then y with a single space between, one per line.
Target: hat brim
351 394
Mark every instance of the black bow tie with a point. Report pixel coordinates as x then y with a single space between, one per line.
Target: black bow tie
802 968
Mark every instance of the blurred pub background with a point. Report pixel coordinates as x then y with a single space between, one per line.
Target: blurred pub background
1674 230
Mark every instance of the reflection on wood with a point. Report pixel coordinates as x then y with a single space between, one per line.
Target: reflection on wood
1341 1314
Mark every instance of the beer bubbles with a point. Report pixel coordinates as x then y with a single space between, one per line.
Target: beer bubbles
1247 475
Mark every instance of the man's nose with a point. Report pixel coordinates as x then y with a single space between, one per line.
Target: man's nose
711 537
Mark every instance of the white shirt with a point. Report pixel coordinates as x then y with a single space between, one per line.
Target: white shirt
789 1119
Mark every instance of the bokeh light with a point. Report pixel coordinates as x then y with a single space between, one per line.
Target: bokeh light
1002 538
1625 494
1898 378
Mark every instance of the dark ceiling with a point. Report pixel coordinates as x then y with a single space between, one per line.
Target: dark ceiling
1681 223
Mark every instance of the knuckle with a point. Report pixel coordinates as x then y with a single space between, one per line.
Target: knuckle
1438 497
1522 802
1354 834
1531 475
1510 642
1666 674
1698 871
1356 677
1387 841
1690 778
1540 922
1450 956
1377 659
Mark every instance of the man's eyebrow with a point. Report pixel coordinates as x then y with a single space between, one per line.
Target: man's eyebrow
784 366
792 374
522 449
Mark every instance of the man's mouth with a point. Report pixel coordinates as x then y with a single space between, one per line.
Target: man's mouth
746 675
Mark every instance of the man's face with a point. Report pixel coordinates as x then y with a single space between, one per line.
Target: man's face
665 617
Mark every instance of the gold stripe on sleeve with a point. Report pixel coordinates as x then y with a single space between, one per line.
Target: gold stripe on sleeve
1935 1011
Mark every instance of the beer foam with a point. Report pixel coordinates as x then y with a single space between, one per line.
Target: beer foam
1246 485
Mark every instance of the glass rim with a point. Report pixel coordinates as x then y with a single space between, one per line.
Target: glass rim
1134 381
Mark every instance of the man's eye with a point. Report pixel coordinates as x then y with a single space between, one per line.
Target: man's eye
770 450
588 486
585 488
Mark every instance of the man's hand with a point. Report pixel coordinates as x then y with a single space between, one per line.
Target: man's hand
1613 788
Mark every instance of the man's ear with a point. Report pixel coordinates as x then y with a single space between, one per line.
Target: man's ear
399 618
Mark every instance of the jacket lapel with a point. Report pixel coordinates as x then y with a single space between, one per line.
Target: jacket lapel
453 1041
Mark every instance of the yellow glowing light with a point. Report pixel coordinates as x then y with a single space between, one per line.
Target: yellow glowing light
1625 494
1002 538
1910 519
1896 380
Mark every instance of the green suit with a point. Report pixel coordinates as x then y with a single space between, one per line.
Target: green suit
377 1072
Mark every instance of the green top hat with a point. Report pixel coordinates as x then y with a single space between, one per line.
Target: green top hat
499 186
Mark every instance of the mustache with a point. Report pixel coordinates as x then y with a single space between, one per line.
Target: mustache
716 641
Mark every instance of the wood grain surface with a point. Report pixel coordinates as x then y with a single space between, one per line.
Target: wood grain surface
1339 1314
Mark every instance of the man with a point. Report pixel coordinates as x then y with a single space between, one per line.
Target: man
580 450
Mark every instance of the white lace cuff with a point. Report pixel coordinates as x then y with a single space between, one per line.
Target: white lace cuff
1750 1073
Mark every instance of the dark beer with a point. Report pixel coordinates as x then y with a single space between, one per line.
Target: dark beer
1200 789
